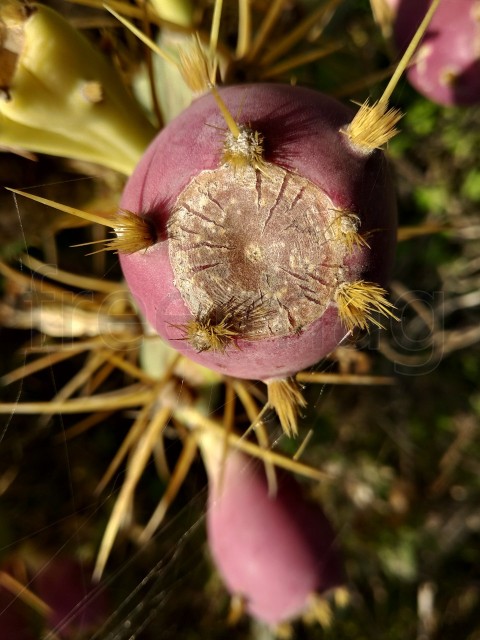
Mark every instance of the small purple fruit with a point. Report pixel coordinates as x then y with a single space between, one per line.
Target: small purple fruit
447 63
15 618
275 552
58 597
65 585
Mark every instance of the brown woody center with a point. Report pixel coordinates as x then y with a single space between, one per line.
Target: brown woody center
264 240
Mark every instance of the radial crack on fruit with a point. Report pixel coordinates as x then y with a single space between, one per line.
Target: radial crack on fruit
359 301
285 397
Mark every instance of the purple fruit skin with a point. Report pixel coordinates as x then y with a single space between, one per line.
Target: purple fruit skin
301 131
65 585
16 620
450 45
275 552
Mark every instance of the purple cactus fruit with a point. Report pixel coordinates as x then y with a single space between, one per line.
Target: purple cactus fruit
258 249
66 587
273 551
447 63
16 621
